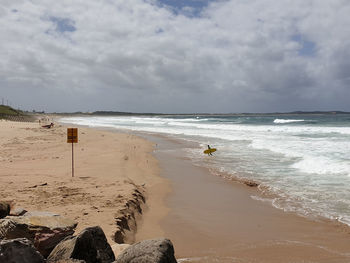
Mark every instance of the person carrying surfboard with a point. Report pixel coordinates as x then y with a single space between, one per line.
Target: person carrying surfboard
209 152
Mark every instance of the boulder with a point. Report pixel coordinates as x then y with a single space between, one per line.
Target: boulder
44 229
4 209
90 245
18 212
70 261
149 251
19 250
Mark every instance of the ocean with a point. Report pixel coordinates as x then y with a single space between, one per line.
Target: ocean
302 162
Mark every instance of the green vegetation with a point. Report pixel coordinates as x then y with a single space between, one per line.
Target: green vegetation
11 114
7 110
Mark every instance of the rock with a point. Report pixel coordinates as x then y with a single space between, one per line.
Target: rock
4 209
251 183
44 229
18 212
70 261
19 250
90 245
119 248
149 251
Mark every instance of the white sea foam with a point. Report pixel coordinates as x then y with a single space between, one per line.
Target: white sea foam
286 121
174 124
308 166
265 200
322 165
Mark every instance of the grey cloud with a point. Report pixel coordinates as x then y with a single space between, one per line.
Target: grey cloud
134 55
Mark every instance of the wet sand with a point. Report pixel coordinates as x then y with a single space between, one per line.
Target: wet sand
214 220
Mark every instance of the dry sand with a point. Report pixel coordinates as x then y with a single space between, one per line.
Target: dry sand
36 174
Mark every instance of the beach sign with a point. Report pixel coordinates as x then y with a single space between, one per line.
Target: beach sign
72 137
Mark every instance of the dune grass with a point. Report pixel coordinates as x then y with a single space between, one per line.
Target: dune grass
7 110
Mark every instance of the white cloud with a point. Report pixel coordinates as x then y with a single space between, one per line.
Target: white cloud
134 55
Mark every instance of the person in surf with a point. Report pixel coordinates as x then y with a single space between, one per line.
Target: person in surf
209 153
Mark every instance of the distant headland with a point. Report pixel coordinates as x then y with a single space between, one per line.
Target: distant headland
6 111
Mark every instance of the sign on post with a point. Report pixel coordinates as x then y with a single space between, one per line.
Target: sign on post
72 137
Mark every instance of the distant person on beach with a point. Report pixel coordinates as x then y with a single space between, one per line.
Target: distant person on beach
48 126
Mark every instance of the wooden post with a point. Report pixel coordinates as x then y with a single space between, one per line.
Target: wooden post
72 137
72 160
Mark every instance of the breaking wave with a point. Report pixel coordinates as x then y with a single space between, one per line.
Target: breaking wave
282 121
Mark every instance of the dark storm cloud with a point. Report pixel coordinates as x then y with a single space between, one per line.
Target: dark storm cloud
133 55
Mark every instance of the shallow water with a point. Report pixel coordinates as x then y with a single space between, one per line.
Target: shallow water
303 159
211 220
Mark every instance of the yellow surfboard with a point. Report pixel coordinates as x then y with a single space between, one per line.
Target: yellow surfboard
210 151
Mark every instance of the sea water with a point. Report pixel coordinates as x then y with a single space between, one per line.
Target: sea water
302 160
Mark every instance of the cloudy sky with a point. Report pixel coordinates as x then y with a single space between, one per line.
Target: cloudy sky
175 56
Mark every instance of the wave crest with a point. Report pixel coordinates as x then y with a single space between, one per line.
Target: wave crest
281 121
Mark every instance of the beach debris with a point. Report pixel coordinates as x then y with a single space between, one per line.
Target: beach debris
4 209
35 186
19 250
44 229
251 183
90 245
153 250
18 212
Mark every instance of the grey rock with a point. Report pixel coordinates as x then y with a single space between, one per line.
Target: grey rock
70 261
18 212
19 250
90 245
149 251
4 209
119 248
44 229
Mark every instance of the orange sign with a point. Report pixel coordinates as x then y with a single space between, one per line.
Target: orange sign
72 135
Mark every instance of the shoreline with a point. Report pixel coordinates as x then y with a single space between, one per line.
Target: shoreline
199 222
263 193
291 159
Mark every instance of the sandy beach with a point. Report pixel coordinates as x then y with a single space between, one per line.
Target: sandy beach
208 218
112 172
